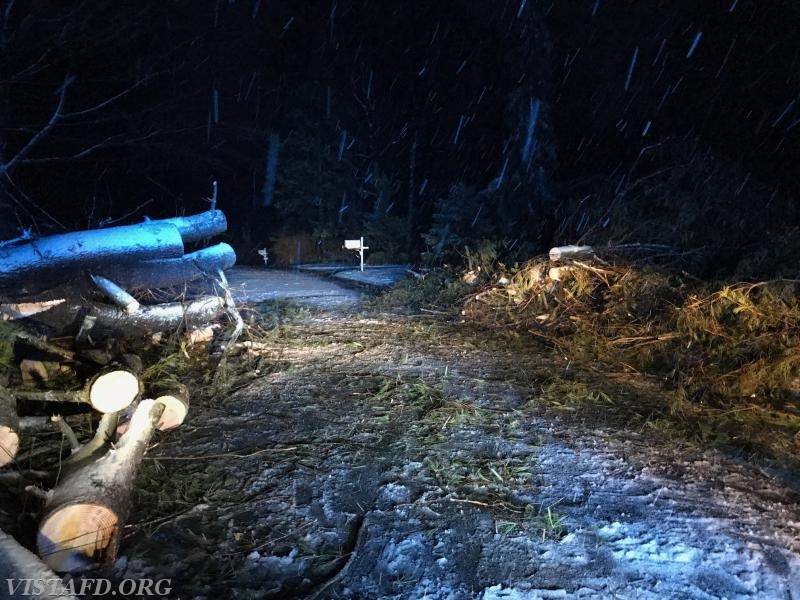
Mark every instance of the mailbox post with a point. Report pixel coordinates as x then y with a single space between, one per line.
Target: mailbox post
358 246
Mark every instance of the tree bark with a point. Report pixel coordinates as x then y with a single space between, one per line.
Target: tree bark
44 263
97 446
198 227
85 512
18 563
9 427
109 320
170 272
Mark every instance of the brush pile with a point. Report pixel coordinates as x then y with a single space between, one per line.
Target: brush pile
732 348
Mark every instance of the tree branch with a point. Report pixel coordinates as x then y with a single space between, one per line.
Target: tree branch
109 141
62 94
110 100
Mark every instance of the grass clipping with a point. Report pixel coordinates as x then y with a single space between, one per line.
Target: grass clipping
727 354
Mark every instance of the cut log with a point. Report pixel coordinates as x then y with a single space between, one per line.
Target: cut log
175 398
9 427
26 309
110 390
21 567
113 389
171 272
35 372
560 273
198 227
171 316
85 512
562 252
48 261
116 294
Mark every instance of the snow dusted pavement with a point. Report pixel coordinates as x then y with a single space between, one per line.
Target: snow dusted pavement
387 457
254 284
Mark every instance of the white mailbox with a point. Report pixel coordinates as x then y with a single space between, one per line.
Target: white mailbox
358 246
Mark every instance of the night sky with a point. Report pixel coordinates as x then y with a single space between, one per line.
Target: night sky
523 123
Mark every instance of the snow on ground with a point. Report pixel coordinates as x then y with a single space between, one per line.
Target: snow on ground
378 457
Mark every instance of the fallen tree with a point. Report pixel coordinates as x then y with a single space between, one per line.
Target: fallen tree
171 272
85 512
102 320
197 227
42 263
31 265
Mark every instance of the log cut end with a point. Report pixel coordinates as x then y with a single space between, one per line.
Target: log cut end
175 411
77 536
113 391
175 398
9 444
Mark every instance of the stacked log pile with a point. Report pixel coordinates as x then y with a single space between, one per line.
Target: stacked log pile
68 303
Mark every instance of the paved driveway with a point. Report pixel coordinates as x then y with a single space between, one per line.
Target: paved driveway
253 284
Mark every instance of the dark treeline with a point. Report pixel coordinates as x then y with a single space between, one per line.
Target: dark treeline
502 127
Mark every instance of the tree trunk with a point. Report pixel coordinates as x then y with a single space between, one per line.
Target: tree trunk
198 227
171 316
18 564
44 263
9 427
412 162
170 272
86 511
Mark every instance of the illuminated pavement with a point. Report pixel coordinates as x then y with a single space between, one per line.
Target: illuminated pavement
253 284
